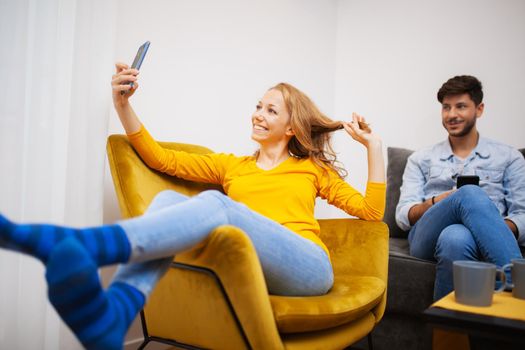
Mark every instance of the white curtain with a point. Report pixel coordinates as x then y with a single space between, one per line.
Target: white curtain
56 61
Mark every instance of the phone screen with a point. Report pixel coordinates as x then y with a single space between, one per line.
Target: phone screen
139 57
467 180
137 62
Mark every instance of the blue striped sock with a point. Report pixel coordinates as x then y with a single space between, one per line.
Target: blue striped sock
99 319
106 244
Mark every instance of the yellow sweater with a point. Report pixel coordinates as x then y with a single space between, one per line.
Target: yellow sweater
285 194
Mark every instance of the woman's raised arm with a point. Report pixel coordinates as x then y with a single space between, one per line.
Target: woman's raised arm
122 91
373 144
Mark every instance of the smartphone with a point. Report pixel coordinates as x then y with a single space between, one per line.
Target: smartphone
139 57
467 180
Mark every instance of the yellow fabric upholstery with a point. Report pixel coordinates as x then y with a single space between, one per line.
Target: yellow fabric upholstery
349 299
190 307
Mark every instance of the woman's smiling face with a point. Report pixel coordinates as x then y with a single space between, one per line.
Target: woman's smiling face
271 120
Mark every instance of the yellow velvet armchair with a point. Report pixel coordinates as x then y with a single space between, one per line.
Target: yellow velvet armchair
215 296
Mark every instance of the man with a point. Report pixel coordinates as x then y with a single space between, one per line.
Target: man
481 223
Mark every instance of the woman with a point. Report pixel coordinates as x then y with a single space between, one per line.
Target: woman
270 196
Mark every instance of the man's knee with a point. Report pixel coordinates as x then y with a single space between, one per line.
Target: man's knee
472 197
455 242
471 191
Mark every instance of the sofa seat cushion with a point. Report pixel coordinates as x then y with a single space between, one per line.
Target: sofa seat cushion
399 247
350 298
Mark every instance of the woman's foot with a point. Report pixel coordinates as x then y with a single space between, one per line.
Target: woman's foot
106 244
99 319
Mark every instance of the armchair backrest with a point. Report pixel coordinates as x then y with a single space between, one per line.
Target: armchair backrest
136 184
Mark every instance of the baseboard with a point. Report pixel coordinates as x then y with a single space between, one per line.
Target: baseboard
133 344
154 345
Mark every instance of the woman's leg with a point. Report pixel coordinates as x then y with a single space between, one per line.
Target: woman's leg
106 244
98 318
101 318
471 207
292 265
145 275
454 243
167 231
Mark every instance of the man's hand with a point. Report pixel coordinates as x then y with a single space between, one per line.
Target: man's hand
512 227
417 211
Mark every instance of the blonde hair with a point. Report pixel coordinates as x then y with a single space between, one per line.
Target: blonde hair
312 129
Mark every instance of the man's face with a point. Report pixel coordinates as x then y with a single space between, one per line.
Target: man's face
459 114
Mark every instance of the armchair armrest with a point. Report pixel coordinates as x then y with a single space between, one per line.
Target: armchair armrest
230 255
359 248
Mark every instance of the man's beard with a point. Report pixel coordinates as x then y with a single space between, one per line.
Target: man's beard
467 128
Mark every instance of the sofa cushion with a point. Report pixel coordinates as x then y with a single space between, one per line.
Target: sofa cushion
397 160
410 280
350 298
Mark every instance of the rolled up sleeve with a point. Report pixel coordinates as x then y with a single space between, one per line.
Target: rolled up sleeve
514 185
412 191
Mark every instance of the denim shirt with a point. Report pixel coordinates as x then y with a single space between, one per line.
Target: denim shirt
433 170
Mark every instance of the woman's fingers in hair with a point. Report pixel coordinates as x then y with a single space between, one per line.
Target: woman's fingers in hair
351 128
361 122
357 117
356 128
364 126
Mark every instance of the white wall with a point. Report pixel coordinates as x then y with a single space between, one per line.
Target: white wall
393 56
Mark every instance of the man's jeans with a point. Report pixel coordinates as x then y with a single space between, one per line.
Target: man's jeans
464 226
292 265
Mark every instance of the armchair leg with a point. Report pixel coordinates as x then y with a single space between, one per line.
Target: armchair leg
148 338
143 344
370 345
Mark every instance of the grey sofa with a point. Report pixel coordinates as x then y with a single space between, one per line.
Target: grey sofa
410 280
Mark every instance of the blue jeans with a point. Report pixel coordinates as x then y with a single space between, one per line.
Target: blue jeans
291 264
464 226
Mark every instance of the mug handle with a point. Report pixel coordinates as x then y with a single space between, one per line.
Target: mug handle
503 269
503 278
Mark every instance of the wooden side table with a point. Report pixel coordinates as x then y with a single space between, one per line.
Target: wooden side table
500 326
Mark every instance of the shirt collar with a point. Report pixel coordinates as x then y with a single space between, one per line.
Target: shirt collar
445 150
482 149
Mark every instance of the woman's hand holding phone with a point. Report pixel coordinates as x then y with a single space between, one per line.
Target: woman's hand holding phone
124 83
122 90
